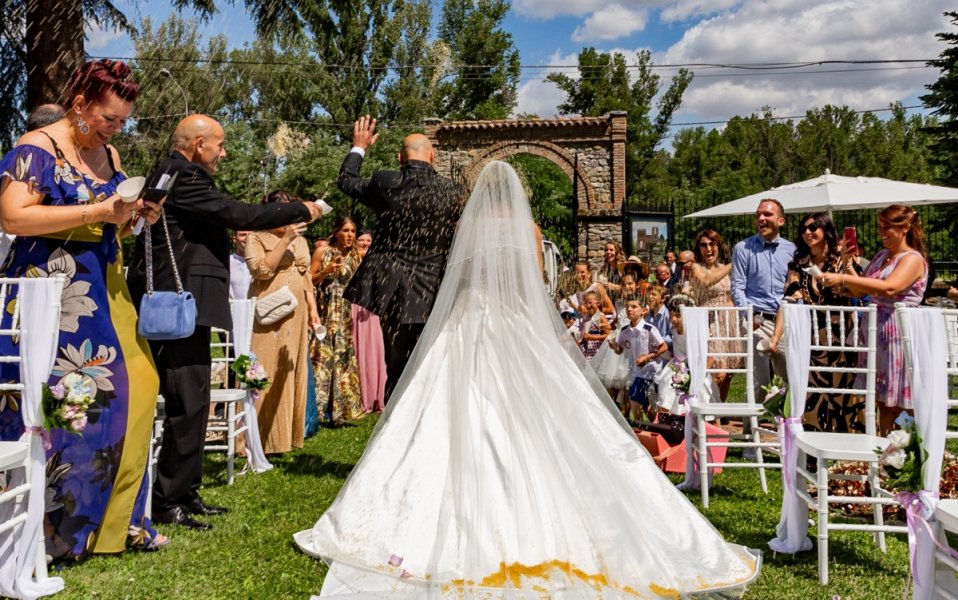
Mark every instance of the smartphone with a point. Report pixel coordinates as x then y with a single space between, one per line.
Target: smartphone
851 240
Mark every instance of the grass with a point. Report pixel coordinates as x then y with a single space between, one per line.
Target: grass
250 551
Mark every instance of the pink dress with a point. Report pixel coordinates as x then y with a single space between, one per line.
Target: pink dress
368 342
891 381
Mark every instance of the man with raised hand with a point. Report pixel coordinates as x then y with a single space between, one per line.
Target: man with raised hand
417 211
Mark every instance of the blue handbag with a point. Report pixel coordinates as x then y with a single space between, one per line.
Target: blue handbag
165 315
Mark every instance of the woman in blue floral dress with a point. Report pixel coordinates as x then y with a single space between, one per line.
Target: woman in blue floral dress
58 196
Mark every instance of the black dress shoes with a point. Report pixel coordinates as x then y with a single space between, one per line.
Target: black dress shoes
198 507
178 515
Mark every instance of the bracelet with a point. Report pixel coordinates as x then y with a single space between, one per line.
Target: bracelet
83 215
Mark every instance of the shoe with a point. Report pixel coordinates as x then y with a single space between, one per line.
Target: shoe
141 542
198 507
178 515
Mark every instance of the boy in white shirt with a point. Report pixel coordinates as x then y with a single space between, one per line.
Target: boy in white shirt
645 347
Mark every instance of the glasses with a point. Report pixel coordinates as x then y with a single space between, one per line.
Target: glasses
811 227
706 244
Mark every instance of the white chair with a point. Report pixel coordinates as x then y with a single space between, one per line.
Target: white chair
930 340
827 447
232 421
35 319
731 326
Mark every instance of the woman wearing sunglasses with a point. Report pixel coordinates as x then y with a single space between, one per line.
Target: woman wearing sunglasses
818 245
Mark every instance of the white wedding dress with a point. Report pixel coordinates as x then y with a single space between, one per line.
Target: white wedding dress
501 468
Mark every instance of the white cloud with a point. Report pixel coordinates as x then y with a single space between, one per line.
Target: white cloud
610 22
97 39
540 97
792 30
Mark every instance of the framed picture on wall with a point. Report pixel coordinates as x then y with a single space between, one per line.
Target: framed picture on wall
650 235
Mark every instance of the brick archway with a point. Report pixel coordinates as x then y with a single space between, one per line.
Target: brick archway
592 147
547 150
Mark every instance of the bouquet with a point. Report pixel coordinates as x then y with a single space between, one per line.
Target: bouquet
776 393
681 377
65 404
250 372
902 460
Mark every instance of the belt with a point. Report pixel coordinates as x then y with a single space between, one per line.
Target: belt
766 315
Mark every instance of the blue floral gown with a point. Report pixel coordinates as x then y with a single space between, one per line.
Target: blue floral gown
96 489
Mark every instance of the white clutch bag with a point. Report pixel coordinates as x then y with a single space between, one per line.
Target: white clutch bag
276 306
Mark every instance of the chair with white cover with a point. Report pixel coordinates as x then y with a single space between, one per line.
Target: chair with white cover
827 447
239 414
930 340
35 320
729 326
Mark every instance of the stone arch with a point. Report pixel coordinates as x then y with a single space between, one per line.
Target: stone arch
591 148
547 150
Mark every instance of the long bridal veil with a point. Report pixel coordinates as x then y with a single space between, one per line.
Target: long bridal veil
501 468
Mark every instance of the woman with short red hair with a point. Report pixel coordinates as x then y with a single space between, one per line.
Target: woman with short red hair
58 196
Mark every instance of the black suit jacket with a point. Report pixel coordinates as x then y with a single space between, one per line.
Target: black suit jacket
417 212
198 216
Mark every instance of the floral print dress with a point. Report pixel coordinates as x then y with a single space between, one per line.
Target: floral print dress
335 366
96 489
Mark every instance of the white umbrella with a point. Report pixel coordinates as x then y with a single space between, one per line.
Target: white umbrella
834 192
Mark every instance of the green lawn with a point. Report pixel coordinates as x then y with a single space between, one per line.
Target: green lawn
250 552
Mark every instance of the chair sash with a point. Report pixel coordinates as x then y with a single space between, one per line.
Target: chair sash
695 321
19 552
927 344
792 531
243 313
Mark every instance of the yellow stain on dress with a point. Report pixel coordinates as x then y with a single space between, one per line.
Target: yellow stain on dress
664 591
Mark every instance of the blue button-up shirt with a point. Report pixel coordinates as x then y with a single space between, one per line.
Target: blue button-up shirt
758 272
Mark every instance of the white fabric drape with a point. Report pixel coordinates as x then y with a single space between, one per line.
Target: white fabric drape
243 313
928 347
39 322
489 477
695 321
792 531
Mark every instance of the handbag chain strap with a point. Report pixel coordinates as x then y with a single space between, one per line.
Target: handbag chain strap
149 257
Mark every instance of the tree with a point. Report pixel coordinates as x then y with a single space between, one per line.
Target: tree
604 85
943 99
484 58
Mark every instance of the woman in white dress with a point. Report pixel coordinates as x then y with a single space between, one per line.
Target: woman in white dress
502 469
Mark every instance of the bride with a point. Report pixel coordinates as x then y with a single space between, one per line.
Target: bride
501 468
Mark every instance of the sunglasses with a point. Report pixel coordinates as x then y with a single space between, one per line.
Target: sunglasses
811 227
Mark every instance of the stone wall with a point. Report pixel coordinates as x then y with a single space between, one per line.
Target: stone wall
591 147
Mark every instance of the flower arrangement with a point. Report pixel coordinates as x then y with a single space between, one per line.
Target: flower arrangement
901 461
681 377
776 393
250 372
65 404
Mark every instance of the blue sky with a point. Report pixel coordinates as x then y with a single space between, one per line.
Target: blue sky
552 32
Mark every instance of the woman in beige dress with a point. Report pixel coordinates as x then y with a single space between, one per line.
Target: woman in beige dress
278 258
712 286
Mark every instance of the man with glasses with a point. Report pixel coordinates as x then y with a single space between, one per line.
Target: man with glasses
759 266
685 261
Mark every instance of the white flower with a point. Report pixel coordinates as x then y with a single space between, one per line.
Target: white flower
899 438
894 457
772 392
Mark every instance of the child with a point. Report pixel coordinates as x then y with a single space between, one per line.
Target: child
571 323
645 348
667 396
594 327
658 314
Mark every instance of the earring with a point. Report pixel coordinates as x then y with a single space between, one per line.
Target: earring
82 126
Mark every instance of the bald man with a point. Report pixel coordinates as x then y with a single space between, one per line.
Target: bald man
416 211
198 217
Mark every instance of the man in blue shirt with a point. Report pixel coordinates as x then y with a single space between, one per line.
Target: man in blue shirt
759 267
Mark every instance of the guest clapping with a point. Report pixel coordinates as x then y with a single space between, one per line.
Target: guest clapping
897 273
335 365
279 259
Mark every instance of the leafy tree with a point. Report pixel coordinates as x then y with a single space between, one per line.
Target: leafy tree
605 85
943 100
550 197
484 57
